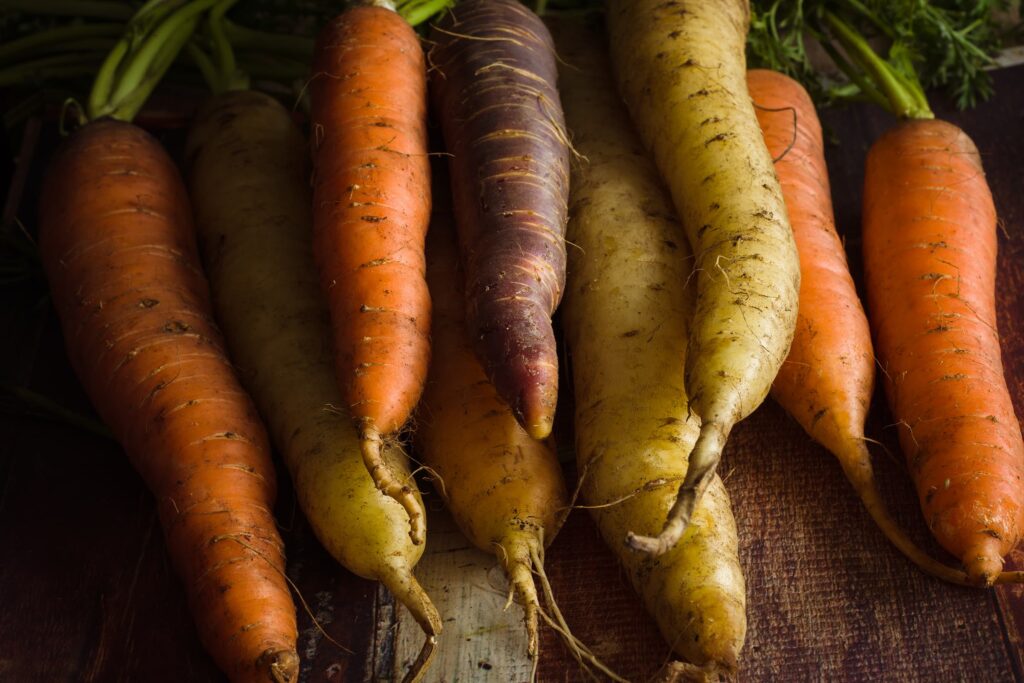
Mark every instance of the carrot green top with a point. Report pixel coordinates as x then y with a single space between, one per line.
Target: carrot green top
151 41
895 87
929 43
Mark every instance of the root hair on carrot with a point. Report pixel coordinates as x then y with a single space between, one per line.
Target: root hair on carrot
557 622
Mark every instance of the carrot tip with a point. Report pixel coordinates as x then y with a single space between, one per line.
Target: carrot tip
281 665
540 428
983 566
663 542
422 663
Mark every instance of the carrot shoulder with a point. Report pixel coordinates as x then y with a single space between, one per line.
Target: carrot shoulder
371 199
493 87
118 246
929 258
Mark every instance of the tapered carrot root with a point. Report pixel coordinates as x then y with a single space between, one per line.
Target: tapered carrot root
371 198
828 378
929 258
504 489
117 243
680 68
493 84
248 168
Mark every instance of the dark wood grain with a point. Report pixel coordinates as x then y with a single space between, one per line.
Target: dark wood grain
86 592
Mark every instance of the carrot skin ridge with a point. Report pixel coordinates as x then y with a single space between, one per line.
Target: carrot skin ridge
827 380
493 88
153 363
930 236
371 199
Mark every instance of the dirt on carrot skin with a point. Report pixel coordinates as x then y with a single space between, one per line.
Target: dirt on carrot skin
827 380
629 304
504 489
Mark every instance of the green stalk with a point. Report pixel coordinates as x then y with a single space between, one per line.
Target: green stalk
205 65
418 11
50 68
60 39
158 50
231 77
104 81
860 8
903 98
243 37
863 85
133 100
94 9
139 25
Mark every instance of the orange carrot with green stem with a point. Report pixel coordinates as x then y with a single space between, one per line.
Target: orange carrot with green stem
371 199
828 378
929 256
117 243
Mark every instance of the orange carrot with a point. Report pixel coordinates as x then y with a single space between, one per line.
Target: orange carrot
828 378
929 263
929 259
371 210
117 243
116 238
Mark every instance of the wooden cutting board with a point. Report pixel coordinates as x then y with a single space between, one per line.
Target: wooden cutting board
87 594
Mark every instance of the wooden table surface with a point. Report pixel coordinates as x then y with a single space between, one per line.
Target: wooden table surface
87 594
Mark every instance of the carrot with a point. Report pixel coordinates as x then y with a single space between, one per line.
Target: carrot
681 70
493 88
504 488
626 315
371 199
929 258
930 236
828 378
116 240
247 169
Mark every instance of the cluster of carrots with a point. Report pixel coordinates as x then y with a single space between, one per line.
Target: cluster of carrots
709 273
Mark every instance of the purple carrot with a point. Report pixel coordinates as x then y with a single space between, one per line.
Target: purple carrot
493 87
